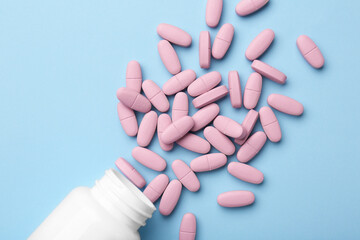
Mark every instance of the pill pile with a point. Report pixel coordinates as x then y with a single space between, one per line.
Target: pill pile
180 127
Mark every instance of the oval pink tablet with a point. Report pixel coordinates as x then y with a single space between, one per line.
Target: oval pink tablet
208 162
213 12
180 107
186 176
174 34
133 76
310 51
252 90
188 227
209 97
169 57
130 172
133 100
236 199
177 130
260 44
229 127
156 187
194 143
270 124
149 159
269 72
246 7
147 129
285 104
170 197
204 116
164 121
179 82
204 83
251 147
219 140
155 95
204 49
248 125
127 119
235 89
245 172
222 41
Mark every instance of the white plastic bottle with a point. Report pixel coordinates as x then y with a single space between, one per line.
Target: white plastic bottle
114 209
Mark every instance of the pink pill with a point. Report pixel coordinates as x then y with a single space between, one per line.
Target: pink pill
155 95
127 119
219 140
213 12
147 129
211 96
130 172
133 76
188 227
174 34
246 7
248 125
156 187
260 44
170 197
235 89
310 51
204 49
169 57
204 83
164 121
177 130
268 72
252 90
229 127
179 82
251 147
245 172
186 176
149 159
236 199
285 104
270 124
208 162
133 100
222 41
180 107
194 143
204 116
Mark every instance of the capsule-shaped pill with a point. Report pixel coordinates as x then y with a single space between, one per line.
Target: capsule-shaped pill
188 227
248 125
155 95
194 143
285 104
169 57
149 159
204 116
174 34
213 12
229 127
204 83
222 41
268 72
180 107
130 172
246 7
170 197
235 89
204 49
133 76
186 176
179 82
252 90
133 100
219 140
164 121
310 51
127 119
251 147
211 96
208 162
177 130
147 129
236 199
156 187
245 172
270 124
260 44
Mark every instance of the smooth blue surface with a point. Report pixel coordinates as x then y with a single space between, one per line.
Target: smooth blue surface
61 63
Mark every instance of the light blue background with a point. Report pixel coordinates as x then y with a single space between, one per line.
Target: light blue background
61 63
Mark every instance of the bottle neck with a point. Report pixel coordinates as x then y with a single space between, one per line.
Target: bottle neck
120 197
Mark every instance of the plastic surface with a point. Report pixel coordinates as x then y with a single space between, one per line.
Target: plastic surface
186 176
269 72
204 49
169 57
236 199
188 227
180 107
130 172
204 116
285 104
213 12
310 51
147 129
251 147
229 127
270 124
133 100
246 7
174 34
252 90
245 172
209 97
170 197
134 76
260 44
208 162
204 83
179 82
127 119
222 41
156 187
177 130
219 140
235 89
149 158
